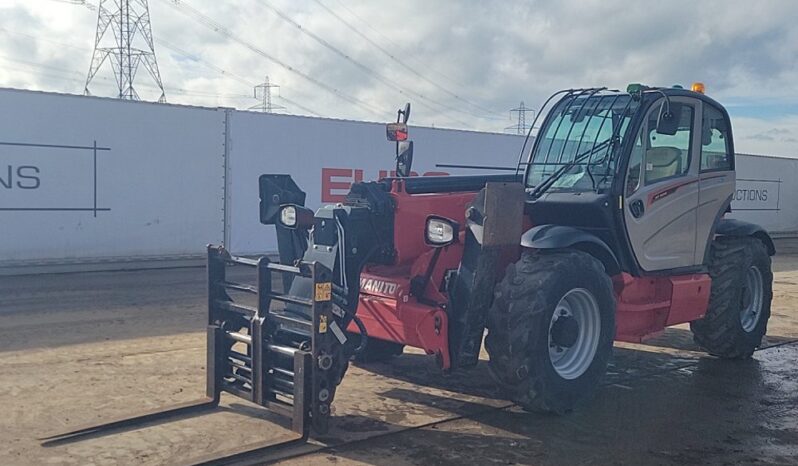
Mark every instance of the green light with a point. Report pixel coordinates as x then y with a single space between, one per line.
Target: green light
635 88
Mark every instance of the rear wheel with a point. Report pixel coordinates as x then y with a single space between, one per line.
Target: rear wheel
550 329
739 302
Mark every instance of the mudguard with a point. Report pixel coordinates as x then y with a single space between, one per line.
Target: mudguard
734 227
559 236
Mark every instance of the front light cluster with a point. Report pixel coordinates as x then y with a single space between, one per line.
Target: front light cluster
441 231
294 216
288 216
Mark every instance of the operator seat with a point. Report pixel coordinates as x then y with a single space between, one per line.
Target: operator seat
663 162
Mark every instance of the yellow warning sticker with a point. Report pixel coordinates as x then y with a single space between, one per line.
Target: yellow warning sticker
323 291
322 324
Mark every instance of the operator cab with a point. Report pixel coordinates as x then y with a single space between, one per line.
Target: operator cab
645 171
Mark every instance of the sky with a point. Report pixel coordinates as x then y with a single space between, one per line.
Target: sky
462 64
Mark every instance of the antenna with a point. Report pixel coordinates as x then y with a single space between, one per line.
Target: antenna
129 22
520 127
263 92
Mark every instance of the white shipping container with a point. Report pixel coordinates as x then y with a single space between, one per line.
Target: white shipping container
152 188
165 180
766 187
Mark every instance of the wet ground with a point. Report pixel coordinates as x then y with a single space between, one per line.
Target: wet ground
76 348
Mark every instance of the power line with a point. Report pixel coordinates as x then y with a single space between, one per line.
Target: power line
229 74
393 43
170 46
197 58
90 6
63 73
375 74
401 62
60 73
217 27
298 105
206 21
42 39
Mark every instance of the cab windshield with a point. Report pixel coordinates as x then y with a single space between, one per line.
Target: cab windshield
578 141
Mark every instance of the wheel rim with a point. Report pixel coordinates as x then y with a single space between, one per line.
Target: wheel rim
572 349
751 299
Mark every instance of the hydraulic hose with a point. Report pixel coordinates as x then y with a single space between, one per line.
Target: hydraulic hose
364 334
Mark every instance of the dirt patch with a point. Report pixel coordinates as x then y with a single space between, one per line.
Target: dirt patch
82 347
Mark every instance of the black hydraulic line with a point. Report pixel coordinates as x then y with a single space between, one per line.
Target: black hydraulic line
364 334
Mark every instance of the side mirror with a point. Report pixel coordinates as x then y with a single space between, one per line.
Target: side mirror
404 158
667 119
396 131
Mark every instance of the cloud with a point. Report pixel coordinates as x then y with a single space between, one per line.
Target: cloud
483 58
774 134
766 136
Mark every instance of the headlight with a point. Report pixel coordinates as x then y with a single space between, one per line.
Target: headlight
288 216
441 231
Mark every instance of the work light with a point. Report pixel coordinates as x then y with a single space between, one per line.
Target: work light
288 216
441 231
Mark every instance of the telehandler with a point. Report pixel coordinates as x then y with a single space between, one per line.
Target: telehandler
612 226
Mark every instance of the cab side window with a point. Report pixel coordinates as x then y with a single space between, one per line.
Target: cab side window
715 153
666 155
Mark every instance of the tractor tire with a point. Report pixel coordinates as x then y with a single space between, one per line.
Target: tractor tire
550 329
375 351
739 301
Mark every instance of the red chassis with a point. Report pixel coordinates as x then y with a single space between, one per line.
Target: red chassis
645 305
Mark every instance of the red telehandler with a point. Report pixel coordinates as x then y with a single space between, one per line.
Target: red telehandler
611 227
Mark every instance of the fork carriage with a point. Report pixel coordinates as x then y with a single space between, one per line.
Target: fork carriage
261 353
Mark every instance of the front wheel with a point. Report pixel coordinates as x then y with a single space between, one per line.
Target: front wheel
550 329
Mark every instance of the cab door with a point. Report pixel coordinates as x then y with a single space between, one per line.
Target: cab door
662 189
716 173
